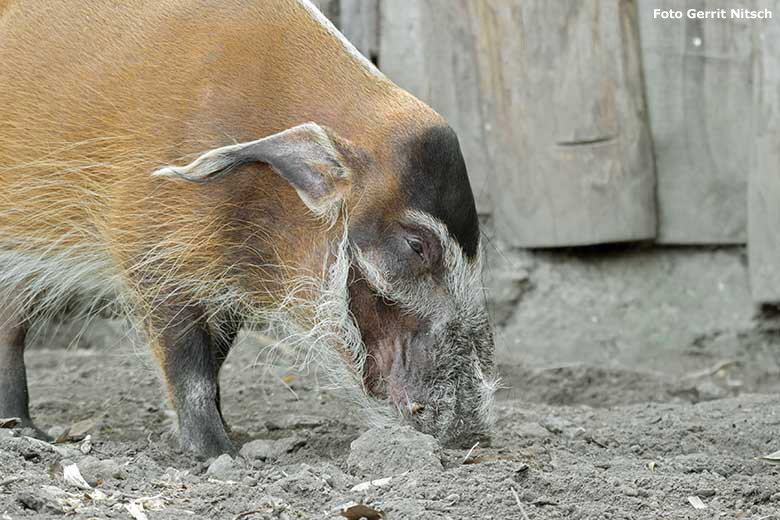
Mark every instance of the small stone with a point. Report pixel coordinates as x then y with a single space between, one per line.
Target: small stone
532 430
452 499
260 449
223 467
86 445
304 481
32 500
556 424
79 430
43 500
65 451
94 470
55 432
629 491
708 492
172 476
387 451
265 449
295 422
709 391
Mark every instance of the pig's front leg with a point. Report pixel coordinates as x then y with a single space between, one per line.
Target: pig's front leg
14 400
223 336
190 356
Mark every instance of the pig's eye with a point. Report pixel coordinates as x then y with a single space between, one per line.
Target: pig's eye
416 245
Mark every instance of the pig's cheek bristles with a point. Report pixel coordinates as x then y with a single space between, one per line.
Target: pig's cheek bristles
313 319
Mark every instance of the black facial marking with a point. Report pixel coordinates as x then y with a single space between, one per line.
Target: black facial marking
435 181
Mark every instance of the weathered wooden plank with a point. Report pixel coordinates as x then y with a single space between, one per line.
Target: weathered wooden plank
698 77
764 183
548 101
430 48
359 21
570 150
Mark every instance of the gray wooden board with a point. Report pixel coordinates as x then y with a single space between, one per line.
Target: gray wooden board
764 185
578 168
547 98
430 48
698 76
569 149
359 21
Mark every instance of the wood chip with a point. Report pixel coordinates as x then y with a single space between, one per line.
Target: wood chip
77 431
96 495
696 502
772 458
363 486
355 511
10 422
72 476
136 510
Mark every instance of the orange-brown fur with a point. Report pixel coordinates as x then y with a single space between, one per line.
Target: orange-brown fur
96 95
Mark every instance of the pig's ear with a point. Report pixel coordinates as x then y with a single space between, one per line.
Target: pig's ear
306 155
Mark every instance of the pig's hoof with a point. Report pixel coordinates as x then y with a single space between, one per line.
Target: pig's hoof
28 429
206 447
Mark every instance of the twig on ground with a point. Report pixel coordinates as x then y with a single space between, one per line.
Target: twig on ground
9 480
519 504
288 387
248 513
711 371
470 452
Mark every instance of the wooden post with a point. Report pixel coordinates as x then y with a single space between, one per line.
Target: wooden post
698 75
570 146
764 185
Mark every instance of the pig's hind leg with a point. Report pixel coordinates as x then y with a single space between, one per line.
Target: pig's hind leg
14 399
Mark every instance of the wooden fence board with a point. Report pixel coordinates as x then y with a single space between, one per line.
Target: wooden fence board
764 185
698 77
547 99
359 21
428 47
570 146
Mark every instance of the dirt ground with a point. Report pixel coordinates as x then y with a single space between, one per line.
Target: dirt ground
679 437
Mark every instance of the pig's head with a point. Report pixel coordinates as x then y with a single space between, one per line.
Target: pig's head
403 284
416 294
